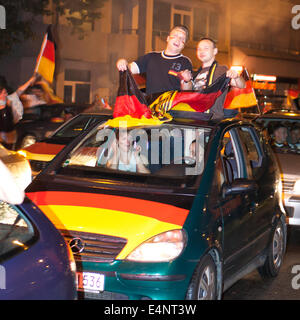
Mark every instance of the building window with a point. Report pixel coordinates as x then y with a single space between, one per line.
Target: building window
201 21
205 24
161 19
182 15
77 86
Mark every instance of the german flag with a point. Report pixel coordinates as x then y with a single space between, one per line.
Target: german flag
293 93
189 100
241 98
46 60
292 97
130 100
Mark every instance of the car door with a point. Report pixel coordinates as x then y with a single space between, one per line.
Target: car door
261 170
235 206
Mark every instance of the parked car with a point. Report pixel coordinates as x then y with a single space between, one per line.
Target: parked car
40 153
18 165
40 121
288 156
202 212
35 262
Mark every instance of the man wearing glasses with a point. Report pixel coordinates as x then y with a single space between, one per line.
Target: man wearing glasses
163 68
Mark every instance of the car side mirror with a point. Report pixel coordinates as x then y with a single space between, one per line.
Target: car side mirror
239 186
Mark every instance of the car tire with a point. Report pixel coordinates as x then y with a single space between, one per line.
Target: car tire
203 285
275 253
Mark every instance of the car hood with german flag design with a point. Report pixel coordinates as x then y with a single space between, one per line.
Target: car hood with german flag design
42 151
134 217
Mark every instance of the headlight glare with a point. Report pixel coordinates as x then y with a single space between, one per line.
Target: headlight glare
297 187
161 248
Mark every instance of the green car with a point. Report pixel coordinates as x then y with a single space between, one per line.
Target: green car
165 210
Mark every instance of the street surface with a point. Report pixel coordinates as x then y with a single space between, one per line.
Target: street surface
253 287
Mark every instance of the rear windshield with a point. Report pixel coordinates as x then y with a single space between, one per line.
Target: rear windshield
168 151
284 134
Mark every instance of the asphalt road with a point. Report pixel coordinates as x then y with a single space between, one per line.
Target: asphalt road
286 286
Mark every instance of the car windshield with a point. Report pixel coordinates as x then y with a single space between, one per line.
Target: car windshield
16 232
172 151
284 133
73 128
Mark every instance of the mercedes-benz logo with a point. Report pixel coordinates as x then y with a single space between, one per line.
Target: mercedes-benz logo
77 245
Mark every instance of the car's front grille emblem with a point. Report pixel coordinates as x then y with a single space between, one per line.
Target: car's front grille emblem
77 245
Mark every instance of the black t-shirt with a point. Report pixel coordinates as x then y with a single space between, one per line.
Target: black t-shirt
157 66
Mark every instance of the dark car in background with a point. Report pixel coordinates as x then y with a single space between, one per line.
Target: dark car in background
35 262
40 121
203 210
287 152
40 153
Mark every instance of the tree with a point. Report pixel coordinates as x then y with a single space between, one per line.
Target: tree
22 14
78 12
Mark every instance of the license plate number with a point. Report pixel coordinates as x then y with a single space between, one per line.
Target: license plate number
90 281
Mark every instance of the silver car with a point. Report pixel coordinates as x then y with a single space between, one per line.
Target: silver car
283 130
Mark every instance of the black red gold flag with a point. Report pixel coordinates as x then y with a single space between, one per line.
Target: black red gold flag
241 98
45 64
130 100
196 101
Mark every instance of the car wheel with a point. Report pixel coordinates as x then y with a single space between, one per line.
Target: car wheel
27 141
203 285
276 252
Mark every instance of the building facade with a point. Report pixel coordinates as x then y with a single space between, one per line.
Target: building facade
256 34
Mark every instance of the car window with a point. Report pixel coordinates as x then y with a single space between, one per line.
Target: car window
252 149
232 162
73 128
169 150
290 143
16 232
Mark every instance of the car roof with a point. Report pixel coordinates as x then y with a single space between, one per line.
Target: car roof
281 115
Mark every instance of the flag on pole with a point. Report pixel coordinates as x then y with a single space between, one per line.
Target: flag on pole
293 93
241 98
292 96
46 59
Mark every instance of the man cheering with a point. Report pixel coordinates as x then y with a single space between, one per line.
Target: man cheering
208 73
162 68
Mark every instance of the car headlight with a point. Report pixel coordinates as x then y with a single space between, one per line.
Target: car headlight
160 248
297 187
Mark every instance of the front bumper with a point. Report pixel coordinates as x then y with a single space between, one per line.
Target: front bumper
140 281
292 206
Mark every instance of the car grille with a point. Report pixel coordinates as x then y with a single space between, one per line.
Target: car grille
288 186
92 246
105 295
37 165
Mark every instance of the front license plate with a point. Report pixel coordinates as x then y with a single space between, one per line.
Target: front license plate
90 281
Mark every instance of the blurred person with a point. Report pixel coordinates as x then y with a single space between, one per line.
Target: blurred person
208 73
11 111
163 68
39 92
280 134
127 156
9 190
295 138
33 96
